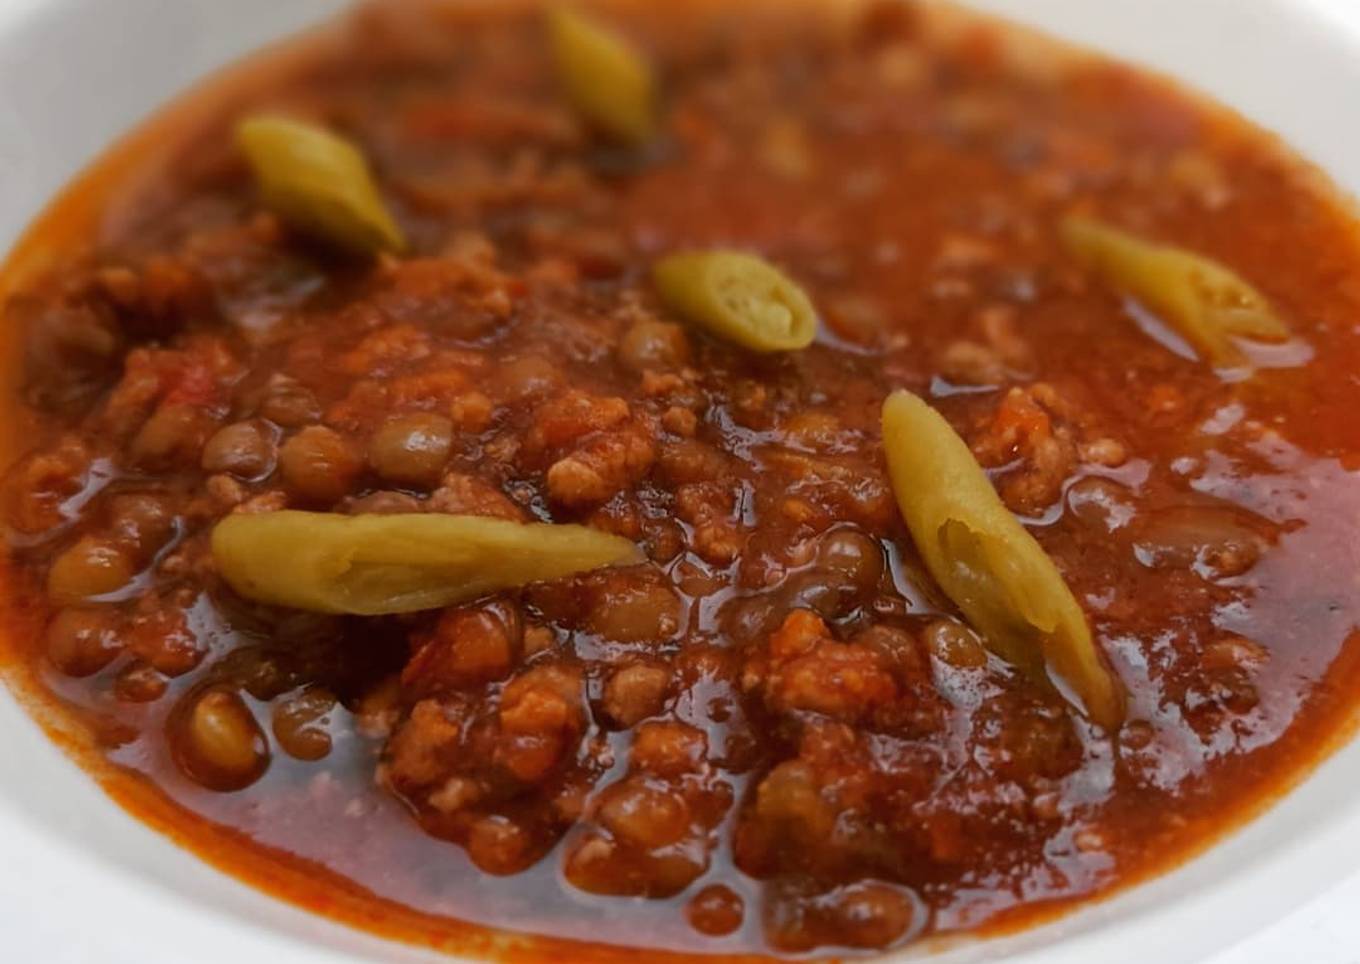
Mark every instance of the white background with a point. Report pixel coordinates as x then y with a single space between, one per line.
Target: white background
39 924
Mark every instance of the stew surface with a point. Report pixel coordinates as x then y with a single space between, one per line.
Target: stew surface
776 729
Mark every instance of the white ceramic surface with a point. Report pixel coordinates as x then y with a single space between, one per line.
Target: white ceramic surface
82 882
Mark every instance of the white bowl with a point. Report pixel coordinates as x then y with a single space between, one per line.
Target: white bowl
82 881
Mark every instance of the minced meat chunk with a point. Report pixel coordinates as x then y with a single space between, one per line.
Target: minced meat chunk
497 780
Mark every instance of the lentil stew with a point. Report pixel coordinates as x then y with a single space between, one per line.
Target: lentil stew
735 480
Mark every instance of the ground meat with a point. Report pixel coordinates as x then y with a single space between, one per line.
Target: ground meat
421 749
1022 429
460 494
839 680
540 717
654 345
495 782
38 486
593 447
599 468
70 349
168 400
381 351
635 692
819 491
803 669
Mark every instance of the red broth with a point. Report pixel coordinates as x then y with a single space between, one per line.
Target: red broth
776 736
